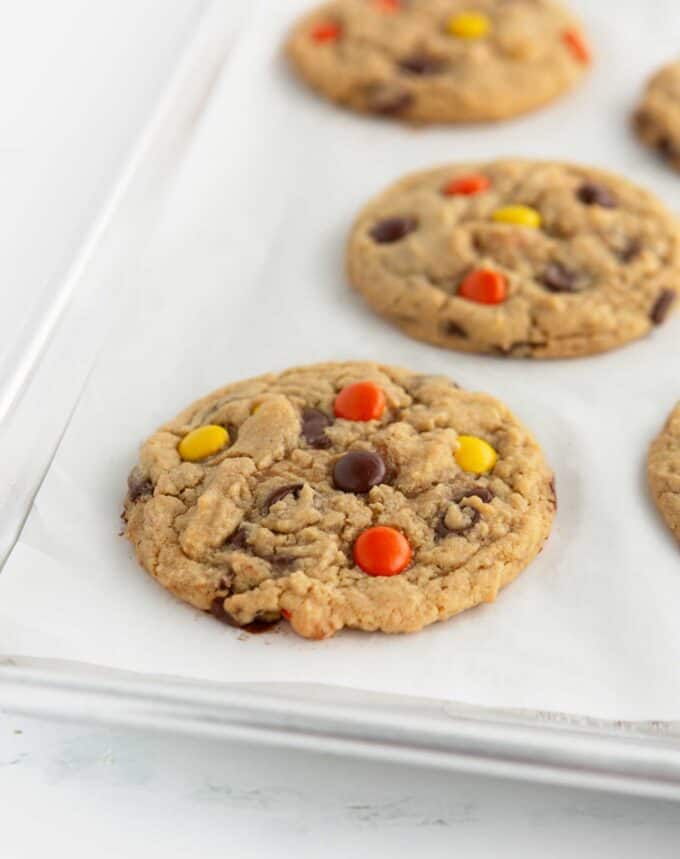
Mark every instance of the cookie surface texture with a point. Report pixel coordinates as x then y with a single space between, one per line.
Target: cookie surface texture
342 495
657 119
663 471
440 61
518 258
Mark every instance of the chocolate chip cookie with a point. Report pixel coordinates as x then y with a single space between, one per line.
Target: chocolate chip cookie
517 257
657 119
663 471
427 61
339 495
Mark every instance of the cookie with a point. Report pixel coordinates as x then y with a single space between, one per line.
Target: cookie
339 495
663 471
657 119
521 258
436 61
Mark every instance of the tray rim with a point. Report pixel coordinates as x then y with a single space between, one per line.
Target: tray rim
641 758
637 758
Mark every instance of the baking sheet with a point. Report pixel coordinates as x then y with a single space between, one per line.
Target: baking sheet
244 274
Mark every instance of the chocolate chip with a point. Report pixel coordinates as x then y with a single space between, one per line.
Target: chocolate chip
314 425
453 329
139 485
558 278
631 250
358 470
393 229
282 492
593 194
421 64
388 98
662 306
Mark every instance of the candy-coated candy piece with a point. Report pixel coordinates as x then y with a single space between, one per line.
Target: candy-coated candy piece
388 6
577 45
475 183
521 216
326 31
362 401
382 551
475 455
469 25
203 442
485 286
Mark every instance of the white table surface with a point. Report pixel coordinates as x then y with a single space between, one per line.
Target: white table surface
77 80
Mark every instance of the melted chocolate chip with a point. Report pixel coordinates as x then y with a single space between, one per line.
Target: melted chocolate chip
442 530
666 147
238 540
558 278
481 492
388 98
256 626
139 486
632 249
453 329
593 194
393 230
421 64
314 425
358 470
282 492
217 610
662 306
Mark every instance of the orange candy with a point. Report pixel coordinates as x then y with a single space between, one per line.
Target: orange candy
475 183
577 45
382 551
485 286
327 31
387 5
362 401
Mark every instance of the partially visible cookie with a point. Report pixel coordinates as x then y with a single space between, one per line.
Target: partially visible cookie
516 257
657 119
428 61
336 495
663 471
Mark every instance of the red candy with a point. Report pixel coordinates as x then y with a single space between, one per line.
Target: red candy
475 183
387 5
577 45
382 551
485 286
362 401
326 32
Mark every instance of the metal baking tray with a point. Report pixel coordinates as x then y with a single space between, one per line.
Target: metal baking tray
38 403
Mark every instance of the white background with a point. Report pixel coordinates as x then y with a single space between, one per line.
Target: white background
76 83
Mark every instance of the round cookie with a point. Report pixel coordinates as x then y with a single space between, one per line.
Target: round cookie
340 495
427 61
517 257
657 119
663 471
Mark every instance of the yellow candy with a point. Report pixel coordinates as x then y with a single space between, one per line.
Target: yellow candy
522 216
475 455
203 442
469 25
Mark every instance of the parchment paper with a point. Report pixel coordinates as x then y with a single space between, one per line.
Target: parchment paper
245 274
